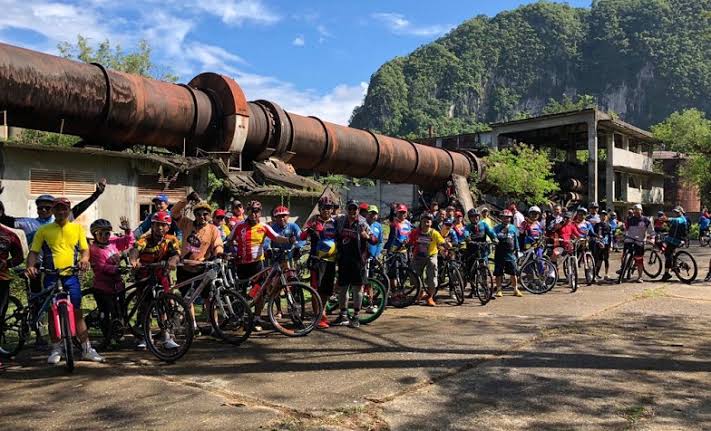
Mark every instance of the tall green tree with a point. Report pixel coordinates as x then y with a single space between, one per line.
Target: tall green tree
520 173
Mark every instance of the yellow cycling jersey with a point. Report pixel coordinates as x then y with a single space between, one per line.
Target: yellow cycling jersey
61 244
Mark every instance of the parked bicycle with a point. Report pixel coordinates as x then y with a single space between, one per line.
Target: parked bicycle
450 276
405 284
476 270
538 274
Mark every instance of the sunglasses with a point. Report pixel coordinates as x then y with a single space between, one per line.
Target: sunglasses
44 208
327 207
352 208
202 214
103 233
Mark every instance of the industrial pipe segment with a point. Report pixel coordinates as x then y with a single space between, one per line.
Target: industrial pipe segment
44 92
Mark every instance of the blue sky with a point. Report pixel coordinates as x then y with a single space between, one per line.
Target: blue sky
313 57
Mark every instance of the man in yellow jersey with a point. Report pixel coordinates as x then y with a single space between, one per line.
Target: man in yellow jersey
426 242
64 245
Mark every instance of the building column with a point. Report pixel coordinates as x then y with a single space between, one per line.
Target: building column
610 172
592 161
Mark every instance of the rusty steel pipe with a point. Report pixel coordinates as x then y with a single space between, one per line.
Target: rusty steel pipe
210 113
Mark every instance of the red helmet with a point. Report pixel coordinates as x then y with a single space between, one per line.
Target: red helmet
219 213
161 217
363 206
506 213
280 210
400 208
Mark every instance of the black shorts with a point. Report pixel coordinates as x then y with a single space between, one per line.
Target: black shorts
504 265
247 270
637 250
351 274
323 277
184 275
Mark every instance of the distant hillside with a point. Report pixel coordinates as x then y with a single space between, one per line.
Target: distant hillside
642 59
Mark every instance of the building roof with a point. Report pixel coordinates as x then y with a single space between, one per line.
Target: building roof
668 155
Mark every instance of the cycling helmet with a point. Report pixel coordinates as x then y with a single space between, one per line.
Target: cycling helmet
661 213
351 203
61 202
582 210
506 213
202 205
254 205
448 221
568 215
363 206
100 224
280 210
44 198
219 213
426 215
325 201
473 213
161 217
534 209
401 208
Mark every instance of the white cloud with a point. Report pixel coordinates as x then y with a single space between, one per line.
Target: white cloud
398 24
323 33
239 11
299 40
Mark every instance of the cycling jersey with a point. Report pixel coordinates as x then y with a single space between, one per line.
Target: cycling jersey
374 250
479 232
585 228
10 252
569 231
151 250
105 263
352 248
289 230
399 234
532 231
704 222
426 244
638 228
60 244
677 231
508 242
459 230
250 241
448 233
322 234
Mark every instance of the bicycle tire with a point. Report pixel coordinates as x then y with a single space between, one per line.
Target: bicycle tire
685 272
456 284
300 321
572 273
172 315
484 285
12 328
625 268
534 284
589 267
377 300
236 319
403 296
67 342
132 314
653 264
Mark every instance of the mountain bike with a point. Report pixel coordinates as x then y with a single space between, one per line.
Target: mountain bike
19 319
450 276
628 263
570 264
683 265
476 270
405 284
538 274
372 306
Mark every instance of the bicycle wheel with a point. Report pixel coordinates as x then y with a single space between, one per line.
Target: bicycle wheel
12 328
539 276
292 310
374 301
572 273
483 284
653 264
405 289
133 314
231 317
626 268
589 268
67 342
168 327
685 266
456 284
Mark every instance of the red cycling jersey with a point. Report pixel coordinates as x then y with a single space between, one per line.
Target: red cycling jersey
250 241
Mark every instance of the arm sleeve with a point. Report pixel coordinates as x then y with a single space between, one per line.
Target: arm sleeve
269 232
143 227
297 235
490 232
82 206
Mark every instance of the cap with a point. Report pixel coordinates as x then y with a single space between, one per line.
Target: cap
426 215
202 205
582 210
679 210
352 203
485 209
373 209
161 198
236 203
363 206
401 208
61 201
254 205
594 205
534 209
45 198
448 221
219 213
568 214
637 207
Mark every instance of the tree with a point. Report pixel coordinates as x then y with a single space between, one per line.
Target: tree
138 62
689 132
520 173
570 104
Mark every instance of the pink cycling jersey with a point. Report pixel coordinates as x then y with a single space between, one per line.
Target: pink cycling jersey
105 263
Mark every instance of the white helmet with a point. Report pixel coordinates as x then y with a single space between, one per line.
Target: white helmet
637 207
534 209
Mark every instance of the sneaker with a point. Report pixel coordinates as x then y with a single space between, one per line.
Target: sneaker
708 277
341 320
499 293
370 309
91 355
430 302
354 322
258 325
169 342
518 293
141 344
666 277
56 355
639 280
323 323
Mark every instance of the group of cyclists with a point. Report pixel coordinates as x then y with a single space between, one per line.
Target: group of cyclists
342 247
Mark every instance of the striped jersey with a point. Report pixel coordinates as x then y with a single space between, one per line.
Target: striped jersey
250 240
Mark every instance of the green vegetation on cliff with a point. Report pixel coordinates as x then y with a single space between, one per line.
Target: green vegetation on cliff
642 59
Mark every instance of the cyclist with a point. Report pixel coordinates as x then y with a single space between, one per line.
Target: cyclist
238 214
532 228
425 243
486 219
477 235
704 222
505 252
566 233
374 250
458 227
218 219
249 237
160 202
11 255
594 217
614 226
282 226
64 245
400 230
676 234
638 230
603 235
321 231
448 233
363 209
156 246
105 258
202 241
353 235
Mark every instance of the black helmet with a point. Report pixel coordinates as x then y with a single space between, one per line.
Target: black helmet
100 224
472 212
352 203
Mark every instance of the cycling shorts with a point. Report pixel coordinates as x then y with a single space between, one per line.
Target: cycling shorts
637 250
351 274
248 270
71 284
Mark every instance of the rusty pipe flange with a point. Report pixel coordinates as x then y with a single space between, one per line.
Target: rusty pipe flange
476 163
233 107
283 129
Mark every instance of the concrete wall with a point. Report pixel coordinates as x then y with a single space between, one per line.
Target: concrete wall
383 194
629 159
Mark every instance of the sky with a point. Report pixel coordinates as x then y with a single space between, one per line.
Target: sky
313 57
